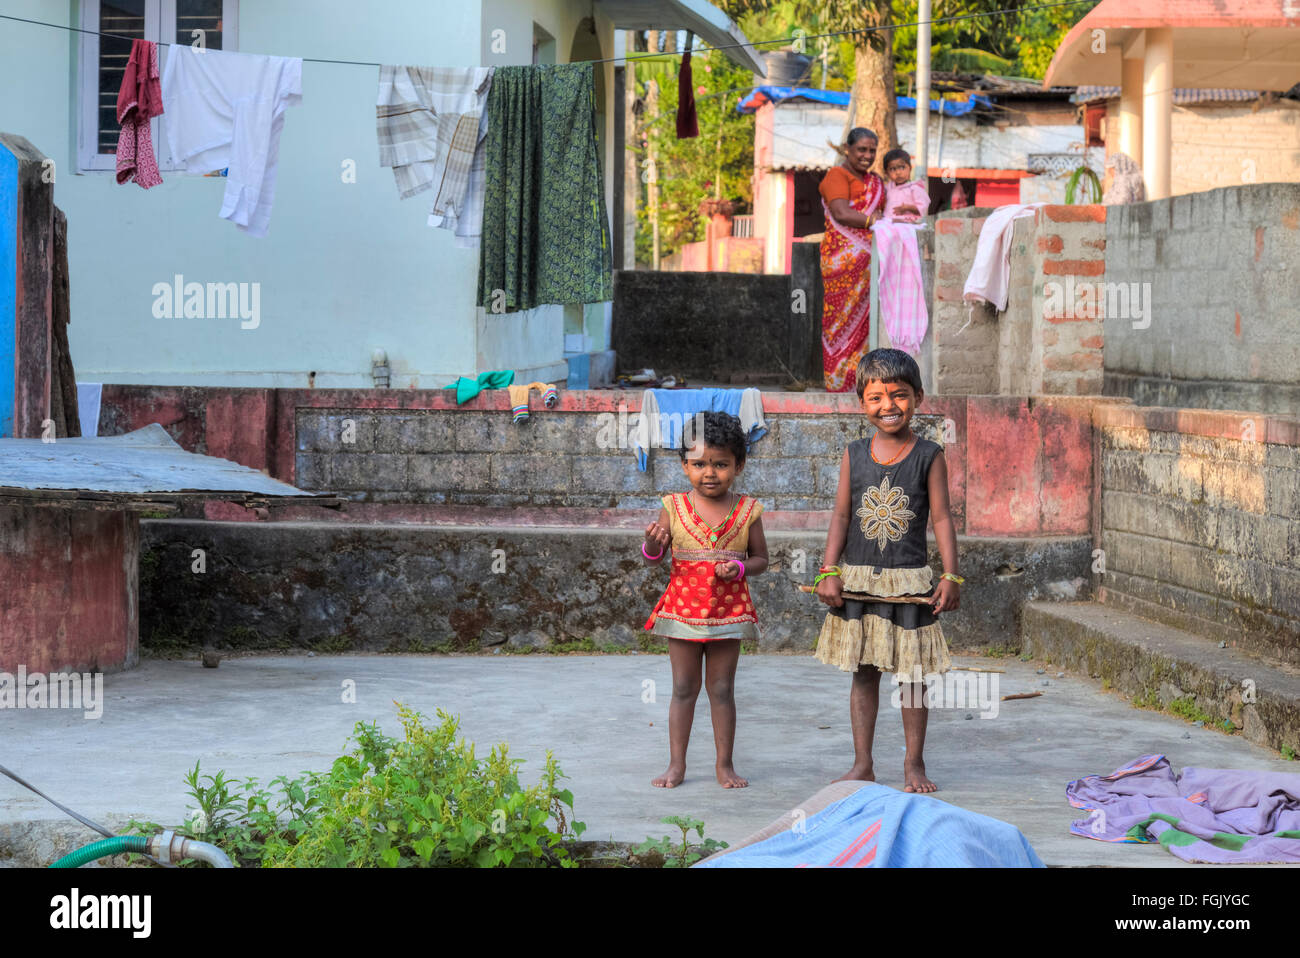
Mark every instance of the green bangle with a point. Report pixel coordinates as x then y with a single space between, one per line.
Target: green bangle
826 575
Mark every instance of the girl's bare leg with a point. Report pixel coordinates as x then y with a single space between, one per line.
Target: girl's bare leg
864 703
720 679
686 658
915 717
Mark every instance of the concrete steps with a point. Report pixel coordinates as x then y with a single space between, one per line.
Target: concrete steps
1156 664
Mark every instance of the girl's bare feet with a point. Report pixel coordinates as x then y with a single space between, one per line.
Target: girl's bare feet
728 778
858 773
671 778
914 773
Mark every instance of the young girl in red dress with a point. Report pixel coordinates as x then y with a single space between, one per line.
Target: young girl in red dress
717 543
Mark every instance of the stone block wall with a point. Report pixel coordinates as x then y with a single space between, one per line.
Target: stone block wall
345 587
1017 466
1048 340
1200 522
1219 274
579 459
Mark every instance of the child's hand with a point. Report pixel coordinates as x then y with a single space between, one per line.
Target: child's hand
947 596
656 538
726 571
828 590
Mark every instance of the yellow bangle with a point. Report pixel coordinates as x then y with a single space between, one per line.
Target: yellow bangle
952 577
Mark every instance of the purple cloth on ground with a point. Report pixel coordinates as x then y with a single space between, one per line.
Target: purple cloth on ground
1214 815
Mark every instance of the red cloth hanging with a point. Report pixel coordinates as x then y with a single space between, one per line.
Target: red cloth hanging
687 123
138 102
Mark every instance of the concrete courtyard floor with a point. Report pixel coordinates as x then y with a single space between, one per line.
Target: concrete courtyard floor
264 717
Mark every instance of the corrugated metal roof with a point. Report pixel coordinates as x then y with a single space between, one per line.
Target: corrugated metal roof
136 464
1182 97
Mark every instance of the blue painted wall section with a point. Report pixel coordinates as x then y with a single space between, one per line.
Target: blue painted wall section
8 287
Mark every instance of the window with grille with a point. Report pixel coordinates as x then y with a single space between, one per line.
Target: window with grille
211 23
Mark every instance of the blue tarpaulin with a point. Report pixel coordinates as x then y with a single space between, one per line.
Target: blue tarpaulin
880 827
763 94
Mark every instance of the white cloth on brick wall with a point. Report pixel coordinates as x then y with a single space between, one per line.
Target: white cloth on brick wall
432 127
226 111
990 274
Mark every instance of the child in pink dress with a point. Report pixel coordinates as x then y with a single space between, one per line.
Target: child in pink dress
904 202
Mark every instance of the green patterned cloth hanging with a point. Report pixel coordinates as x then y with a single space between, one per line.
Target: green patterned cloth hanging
545 233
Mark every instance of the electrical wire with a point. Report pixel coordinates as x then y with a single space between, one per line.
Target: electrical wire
629 57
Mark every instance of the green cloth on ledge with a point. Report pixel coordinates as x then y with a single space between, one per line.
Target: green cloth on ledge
545 233
467 389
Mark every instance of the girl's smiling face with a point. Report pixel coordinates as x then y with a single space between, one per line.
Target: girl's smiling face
890 406
711 470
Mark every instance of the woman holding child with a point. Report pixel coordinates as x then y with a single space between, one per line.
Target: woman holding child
853 198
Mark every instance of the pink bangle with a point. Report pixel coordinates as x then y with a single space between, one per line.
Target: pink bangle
741 563
649 557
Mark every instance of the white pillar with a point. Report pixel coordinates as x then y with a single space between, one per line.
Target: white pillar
1130 109
1157 111
922 158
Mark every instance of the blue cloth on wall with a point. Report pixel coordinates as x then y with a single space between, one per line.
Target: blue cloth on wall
675 406
881 827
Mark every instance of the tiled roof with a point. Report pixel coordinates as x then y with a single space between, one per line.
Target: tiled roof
1182 97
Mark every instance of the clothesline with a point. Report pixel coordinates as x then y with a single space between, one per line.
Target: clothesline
627 57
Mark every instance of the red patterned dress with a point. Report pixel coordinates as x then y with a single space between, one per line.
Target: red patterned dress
846 276
697 606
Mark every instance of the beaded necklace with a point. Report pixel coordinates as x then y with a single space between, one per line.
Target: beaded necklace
714 531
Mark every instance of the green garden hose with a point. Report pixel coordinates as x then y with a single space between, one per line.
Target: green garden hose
102 849
1092 190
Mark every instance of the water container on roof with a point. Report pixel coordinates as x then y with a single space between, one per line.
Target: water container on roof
785 68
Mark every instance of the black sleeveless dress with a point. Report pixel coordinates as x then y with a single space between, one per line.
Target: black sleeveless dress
885 555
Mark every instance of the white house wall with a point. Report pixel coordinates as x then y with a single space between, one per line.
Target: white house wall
347 267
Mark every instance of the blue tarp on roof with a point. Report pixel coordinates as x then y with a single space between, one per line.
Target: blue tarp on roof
775 94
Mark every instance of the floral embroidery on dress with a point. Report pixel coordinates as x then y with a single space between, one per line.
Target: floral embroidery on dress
884 513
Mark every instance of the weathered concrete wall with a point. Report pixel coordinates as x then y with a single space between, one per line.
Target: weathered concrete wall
68 589
715 327
1048 340
1199 522
341 587
1219 273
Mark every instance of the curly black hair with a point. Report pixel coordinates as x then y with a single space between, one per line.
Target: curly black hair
721 431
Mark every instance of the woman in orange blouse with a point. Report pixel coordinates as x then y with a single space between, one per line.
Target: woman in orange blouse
853 198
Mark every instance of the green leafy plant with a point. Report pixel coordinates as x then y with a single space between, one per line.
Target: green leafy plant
1288 753
684 855
423 800
427 800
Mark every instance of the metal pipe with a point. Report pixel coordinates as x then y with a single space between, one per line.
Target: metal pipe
923 89
169 847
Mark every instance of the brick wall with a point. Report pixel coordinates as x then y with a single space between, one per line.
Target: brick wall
1048 340
1217 274
1199 522
1219 145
